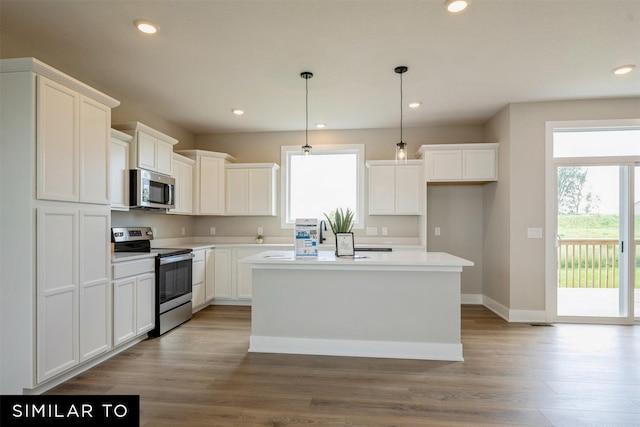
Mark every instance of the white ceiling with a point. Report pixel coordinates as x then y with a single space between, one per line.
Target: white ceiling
211 56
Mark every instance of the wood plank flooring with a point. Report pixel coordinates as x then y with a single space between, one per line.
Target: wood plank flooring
513 375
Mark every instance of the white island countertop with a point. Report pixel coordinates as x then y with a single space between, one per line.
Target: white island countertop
403 304
400 260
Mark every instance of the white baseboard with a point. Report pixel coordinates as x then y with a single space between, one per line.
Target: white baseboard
474 299
515 316
80 369
356 348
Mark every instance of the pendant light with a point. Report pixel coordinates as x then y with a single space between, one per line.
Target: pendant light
401 147
306 148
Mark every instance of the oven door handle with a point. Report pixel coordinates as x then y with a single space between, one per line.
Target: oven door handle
176 258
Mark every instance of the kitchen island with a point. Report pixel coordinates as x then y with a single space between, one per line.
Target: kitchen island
402 305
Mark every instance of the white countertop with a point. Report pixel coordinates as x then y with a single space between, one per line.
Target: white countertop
399 260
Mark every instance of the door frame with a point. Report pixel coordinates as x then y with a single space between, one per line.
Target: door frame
551 221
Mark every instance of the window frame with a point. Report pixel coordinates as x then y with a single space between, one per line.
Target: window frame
286 151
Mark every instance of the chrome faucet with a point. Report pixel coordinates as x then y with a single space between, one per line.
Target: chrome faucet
323 224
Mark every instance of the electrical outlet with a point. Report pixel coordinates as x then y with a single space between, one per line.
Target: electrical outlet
183 231
260 230
385 231
437 231
154 230
534 233
212 231
372 231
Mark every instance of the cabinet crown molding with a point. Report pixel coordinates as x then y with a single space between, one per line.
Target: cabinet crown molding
466 146
192 154
137 126
16 65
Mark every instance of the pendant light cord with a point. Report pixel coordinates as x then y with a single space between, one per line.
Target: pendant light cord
401 107
306 110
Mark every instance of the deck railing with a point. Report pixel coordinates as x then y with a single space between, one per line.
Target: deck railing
589 263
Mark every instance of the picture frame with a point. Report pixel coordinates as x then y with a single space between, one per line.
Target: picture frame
344 244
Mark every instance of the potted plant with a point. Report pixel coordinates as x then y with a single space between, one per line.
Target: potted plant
259 238
340 221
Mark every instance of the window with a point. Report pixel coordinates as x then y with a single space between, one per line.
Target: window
329 178
596 142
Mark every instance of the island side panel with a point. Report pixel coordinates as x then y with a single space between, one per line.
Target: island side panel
399 314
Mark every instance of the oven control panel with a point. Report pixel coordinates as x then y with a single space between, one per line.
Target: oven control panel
128 234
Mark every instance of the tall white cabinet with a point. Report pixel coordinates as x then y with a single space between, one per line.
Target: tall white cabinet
55 294
119 170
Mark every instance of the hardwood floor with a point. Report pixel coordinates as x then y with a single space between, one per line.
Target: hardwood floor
513 374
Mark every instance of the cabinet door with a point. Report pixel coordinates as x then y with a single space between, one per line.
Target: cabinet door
211 186
237 184
57 142
119 174
164 155
95 291
222 273
479 164
145 303
57 292
95 122
407 189
382 190
209 287
445 165
261 192
146 152
124 310
244 286
183 174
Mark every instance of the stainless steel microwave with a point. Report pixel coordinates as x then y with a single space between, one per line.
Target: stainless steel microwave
150 190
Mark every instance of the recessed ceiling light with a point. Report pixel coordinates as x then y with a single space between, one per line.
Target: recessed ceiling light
623 69
415 104
455 6
321 125
145 26
237 112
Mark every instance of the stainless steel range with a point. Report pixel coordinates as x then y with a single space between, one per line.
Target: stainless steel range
173 276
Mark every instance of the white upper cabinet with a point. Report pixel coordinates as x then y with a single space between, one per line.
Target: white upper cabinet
73 144
183 174
395 189
119 170
251 189
460 162
209 181
151 149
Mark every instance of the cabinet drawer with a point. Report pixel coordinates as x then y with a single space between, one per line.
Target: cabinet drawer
133 268
198 272
198 256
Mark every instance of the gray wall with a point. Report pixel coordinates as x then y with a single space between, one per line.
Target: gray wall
514 264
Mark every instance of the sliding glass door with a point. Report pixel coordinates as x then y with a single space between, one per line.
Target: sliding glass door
596 221
592 279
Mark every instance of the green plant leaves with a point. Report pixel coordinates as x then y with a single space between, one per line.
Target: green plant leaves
340 221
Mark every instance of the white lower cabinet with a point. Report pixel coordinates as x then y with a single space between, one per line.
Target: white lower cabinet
203 278
222 274
133 299
233 280
73 287
198 280
209 287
